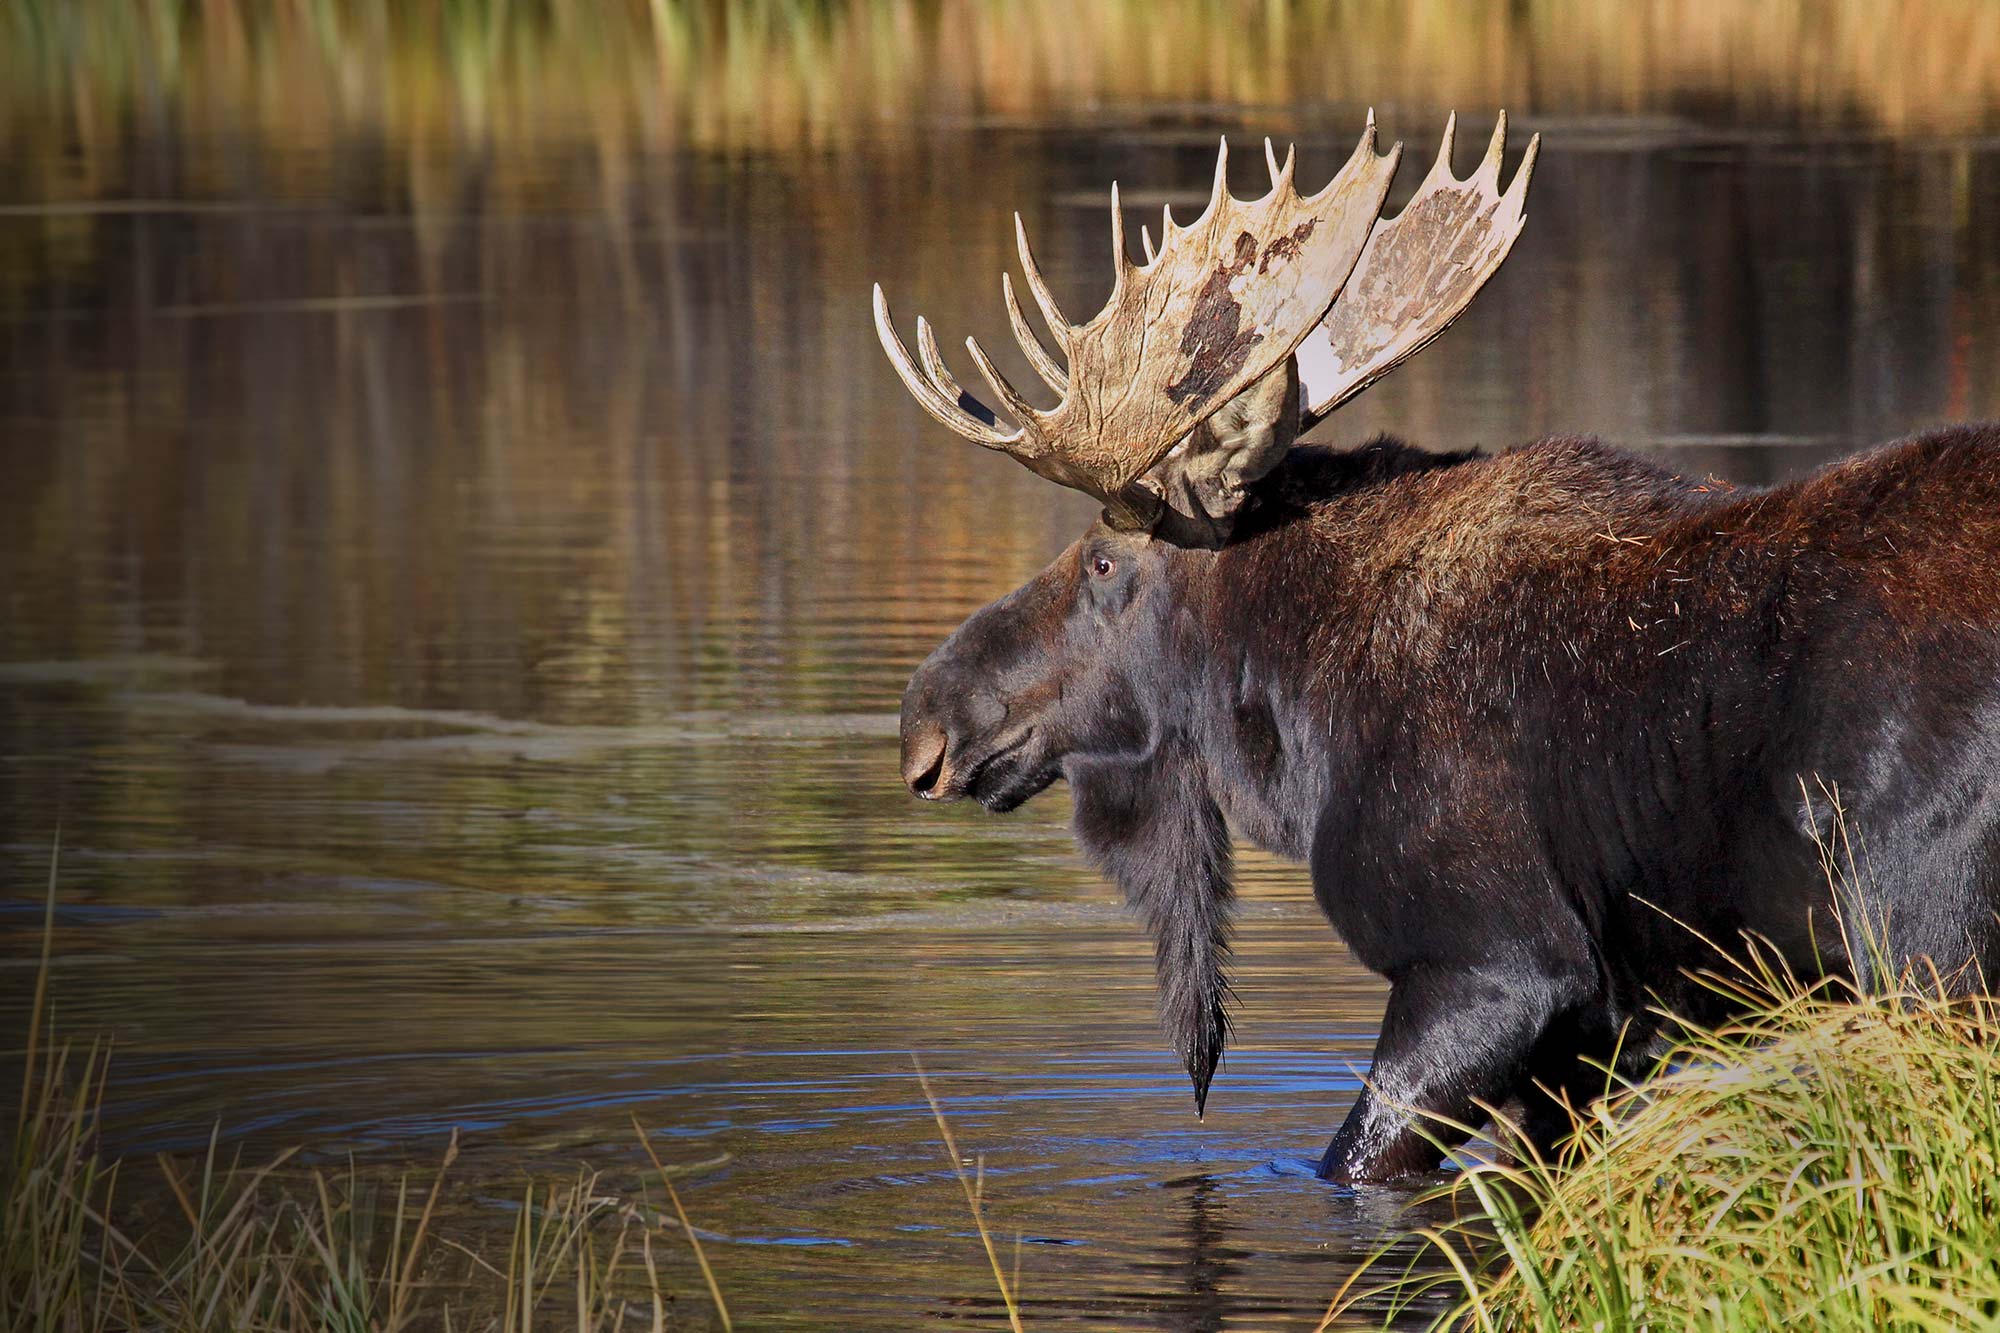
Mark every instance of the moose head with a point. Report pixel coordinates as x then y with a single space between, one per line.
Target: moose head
1239 332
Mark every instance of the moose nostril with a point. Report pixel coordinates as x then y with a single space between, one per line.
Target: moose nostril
923 758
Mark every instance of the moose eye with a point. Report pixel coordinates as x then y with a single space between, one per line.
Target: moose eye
1103 566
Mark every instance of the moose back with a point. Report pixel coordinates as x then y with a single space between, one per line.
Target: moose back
1552 728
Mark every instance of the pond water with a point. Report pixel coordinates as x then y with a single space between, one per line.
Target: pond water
456 603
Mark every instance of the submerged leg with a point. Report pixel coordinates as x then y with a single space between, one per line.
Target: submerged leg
1567 1071
1453 1039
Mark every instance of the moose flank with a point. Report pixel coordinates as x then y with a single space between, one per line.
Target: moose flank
1555 729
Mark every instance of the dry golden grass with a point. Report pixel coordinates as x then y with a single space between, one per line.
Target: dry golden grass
1830 1162
274 1248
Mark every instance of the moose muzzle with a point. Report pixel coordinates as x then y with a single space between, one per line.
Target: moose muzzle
924 746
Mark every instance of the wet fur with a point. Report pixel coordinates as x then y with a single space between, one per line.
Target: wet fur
1540 723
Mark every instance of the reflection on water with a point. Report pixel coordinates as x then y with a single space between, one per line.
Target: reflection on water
459 582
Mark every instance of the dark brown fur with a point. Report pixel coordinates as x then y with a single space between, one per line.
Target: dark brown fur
1547 726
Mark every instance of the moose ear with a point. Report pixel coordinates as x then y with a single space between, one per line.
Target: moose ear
1205 477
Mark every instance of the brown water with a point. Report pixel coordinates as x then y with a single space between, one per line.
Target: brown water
455 609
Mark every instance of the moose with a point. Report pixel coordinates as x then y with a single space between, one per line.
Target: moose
1555 729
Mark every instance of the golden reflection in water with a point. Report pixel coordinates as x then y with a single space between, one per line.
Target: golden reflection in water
649 457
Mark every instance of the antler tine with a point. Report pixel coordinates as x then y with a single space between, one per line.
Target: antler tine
954 412
1146 239
1495 147
1221 190
1010 398
1120 261
1519 185
933 361
1279 175
1038 287
1038 356
1441 169
1365 148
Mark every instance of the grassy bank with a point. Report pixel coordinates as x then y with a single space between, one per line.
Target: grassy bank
89 1244
1824 1164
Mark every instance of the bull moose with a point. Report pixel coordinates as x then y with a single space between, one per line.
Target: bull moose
1553 728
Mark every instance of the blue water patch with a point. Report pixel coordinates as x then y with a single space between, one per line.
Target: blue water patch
74 914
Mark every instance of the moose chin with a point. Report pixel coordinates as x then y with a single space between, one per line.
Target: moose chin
1556 730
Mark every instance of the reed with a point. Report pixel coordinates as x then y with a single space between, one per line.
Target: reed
974 1187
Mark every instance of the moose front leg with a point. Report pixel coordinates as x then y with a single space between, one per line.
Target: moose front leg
1453 1039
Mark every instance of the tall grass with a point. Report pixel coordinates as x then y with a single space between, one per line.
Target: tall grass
273 1248
1831 1162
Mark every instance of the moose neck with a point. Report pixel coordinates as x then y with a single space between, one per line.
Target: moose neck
1261 713
1282 673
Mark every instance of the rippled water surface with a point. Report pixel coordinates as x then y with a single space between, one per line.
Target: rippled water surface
456 602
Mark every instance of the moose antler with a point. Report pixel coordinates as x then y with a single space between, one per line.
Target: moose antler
1220 303
1419 271
1215 309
